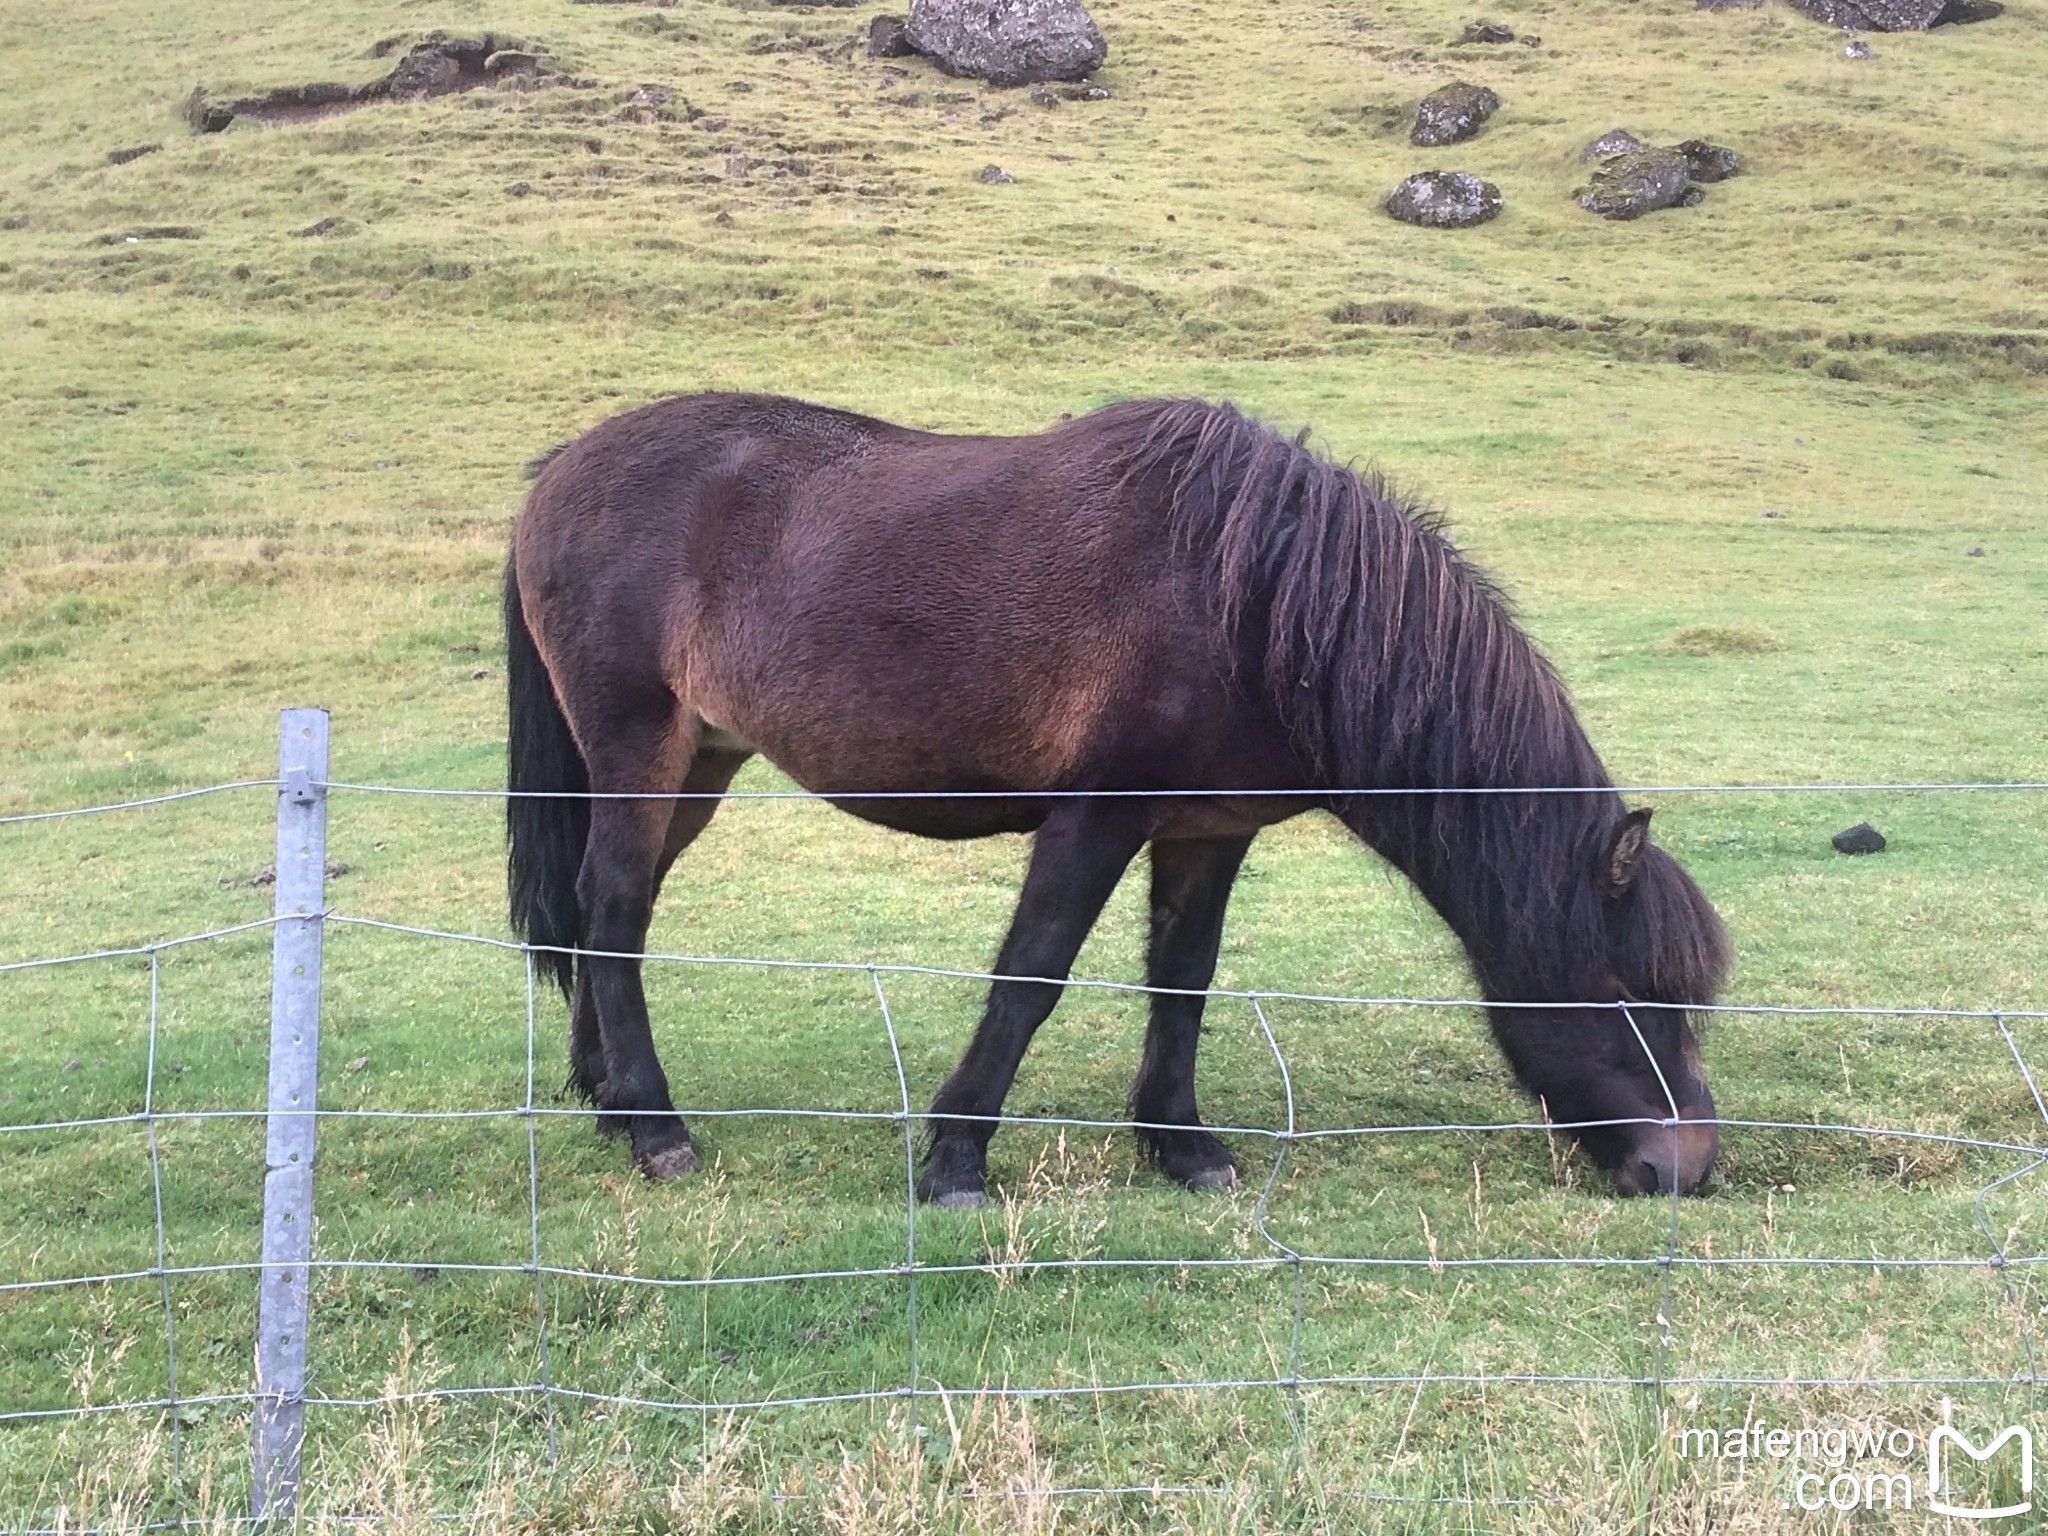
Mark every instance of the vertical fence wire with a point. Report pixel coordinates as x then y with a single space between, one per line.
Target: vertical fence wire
909 1124
163 1274
540 1295
2000 1260
1283 1145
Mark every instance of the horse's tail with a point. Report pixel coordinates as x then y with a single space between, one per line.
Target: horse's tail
547 824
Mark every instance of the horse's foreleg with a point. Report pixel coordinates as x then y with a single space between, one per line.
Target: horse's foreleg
1077 858
1191 882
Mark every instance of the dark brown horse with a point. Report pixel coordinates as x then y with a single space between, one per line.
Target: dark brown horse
1162 596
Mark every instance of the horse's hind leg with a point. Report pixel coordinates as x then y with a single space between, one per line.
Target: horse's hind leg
645 753
1077 858
710 772
1191 882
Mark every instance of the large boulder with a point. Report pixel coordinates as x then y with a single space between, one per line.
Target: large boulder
1630 185
1007 42
1444 200
1453 114
1898 15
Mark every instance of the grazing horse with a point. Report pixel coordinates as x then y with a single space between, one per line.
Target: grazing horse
1162 597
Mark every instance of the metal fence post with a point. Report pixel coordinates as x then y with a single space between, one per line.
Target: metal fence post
284 1299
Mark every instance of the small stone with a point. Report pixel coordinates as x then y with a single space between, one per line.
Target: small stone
519 189
1859 50
1861 838
887 38
336 869
1444 200
1486 32
1453 114
724 217
994 175
1976 551
1615 141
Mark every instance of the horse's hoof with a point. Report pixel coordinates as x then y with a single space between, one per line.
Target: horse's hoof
959 1199
1212 1178
670 1163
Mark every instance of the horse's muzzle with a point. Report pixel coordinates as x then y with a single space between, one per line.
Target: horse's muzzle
1667 1157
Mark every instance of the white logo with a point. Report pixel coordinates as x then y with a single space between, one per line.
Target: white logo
1934 1478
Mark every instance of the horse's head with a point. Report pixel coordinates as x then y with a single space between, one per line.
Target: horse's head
1647 944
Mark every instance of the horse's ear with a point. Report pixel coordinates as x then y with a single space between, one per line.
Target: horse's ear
1625 853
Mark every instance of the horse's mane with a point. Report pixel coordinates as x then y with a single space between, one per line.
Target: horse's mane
1395 663
1392 659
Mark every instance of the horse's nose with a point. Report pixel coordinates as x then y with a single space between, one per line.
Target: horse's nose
1672 1157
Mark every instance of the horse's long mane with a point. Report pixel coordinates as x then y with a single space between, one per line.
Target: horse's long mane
1395 663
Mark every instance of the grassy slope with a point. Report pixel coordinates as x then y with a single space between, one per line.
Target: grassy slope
251 468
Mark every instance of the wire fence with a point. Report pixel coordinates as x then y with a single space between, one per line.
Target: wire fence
918 1388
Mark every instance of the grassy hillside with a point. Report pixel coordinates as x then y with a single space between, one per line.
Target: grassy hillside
1764 478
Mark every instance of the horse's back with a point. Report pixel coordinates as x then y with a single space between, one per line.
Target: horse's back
878 607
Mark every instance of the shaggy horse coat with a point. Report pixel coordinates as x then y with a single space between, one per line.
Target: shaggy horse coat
1162 596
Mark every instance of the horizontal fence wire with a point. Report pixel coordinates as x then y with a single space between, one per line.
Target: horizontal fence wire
1905 787
915 1388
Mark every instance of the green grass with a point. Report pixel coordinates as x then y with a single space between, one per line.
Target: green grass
1730 462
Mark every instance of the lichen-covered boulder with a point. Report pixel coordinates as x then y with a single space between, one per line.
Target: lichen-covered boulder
1444 200
1453 114
1007 42
1642 181
1898 15
1708 162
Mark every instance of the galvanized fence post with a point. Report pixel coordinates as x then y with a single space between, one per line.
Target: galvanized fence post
284 1299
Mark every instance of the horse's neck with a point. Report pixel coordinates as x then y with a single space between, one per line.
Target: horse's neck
1500 869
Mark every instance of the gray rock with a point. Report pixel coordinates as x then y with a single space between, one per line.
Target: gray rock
1899 15
1859 50
887 40
995 176
1709 162
1444 200
1007 42
1630 185
1486 32
1861 838
1453 114
1615 141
